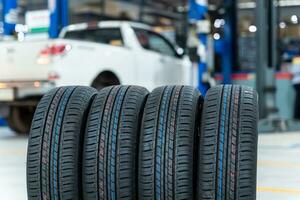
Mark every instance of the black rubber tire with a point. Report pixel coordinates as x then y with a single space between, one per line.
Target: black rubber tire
167 144
54 157
228 144
20 118
111 143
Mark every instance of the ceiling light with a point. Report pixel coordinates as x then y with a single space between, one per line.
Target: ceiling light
217 36
252 28
294 19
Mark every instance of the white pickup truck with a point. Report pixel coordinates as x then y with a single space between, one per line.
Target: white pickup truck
96 54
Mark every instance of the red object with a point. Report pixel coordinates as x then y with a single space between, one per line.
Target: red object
53 50
248 76
284 75
241 76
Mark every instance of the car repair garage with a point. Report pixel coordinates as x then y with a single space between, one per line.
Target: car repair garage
149 99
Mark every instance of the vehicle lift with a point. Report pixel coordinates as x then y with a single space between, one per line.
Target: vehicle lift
198 12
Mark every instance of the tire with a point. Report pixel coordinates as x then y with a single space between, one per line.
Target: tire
228 144
54 156
105 79
20 118
167 144
111 143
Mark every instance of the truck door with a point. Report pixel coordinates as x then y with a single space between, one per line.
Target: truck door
157 62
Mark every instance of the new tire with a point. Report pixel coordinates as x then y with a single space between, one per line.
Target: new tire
228 144
55 144
167 144
111 143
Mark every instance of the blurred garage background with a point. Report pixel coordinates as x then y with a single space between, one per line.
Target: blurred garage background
195 42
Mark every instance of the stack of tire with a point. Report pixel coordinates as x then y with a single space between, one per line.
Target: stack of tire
126 143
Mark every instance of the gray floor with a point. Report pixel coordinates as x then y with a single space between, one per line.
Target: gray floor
12 166
278 166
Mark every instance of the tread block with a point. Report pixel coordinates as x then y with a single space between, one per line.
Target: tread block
55 144
228 144
111 141
166 158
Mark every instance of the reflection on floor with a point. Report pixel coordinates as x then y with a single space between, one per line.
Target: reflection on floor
278 166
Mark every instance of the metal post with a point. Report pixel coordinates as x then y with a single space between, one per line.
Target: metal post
54 18
183 28
142 10
197 13
64 13
59 15
270 88
10 16
1 11
230 55
266 56
203 65
262 53
274 34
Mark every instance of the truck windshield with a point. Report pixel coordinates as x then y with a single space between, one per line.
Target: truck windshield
110 36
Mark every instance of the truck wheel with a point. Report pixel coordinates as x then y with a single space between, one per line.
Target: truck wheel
19 119
105 79
167 144
55 145
228 144
111 140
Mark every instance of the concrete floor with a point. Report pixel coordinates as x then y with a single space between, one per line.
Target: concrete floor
278 166
12 166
